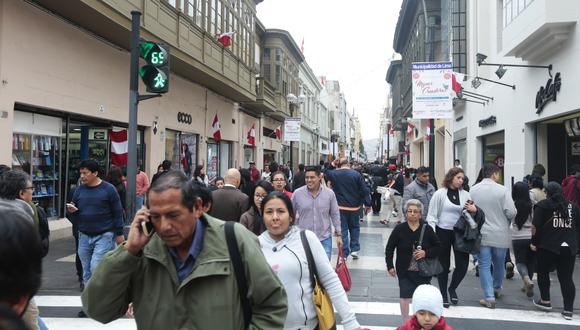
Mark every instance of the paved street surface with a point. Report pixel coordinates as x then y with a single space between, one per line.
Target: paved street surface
374 295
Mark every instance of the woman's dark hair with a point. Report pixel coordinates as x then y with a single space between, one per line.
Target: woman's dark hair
115 175
267 186
554 193
539 169
176 180
197 172
479 176
279 173
450 175
284 198
12 183
521 197
258 225
536 182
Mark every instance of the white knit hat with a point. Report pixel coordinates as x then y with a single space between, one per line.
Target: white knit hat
427 298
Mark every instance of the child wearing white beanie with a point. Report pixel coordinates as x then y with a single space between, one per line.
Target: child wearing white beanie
428 309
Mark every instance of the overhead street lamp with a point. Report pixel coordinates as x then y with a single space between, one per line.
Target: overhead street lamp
476 82
501 70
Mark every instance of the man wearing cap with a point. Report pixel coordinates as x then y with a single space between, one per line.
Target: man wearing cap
427 310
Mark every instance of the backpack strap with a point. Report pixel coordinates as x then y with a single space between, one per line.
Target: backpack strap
234 251
309 258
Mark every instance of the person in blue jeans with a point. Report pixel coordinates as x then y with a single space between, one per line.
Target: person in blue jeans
100 218
351 194
496 202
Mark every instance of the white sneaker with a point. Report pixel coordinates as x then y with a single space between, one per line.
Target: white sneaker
394 214
354 255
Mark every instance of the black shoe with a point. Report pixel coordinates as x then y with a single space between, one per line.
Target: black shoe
541 305
567 315
445 302
82 314
453 297
509 270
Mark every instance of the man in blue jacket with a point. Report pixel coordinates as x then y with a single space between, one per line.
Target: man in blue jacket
100 218
351 194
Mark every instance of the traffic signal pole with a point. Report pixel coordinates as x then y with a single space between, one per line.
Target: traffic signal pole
134 99
133 107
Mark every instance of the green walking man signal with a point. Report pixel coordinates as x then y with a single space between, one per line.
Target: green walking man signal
155 74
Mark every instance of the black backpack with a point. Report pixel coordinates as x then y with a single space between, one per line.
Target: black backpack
43 229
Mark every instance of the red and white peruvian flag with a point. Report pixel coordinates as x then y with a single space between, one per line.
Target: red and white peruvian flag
119 146
456 81
428 134
225 38
216 129
278 132
252 136
391 130
410 128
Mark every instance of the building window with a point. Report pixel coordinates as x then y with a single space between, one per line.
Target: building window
512 9
459 41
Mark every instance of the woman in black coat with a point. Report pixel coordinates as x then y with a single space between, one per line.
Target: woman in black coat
405 239
555 228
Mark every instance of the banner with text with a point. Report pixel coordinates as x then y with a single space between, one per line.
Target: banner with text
432 90
292 129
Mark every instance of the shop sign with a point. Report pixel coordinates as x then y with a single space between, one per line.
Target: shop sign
292 129
548 93
97 134
488 122
432 90
184 118
575 148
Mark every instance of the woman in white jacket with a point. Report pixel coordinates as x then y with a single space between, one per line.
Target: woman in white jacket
445 209
282 246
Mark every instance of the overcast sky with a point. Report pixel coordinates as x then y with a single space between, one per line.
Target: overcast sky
345 40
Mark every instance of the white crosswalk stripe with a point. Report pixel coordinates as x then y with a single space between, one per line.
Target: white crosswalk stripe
369 308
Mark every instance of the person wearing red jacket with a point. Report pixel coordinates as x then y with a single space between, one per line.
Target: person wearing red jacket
427 307
571 185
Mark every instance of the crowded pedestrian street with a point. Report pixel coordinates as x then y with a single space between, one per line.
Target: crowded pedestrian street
374 294
289 164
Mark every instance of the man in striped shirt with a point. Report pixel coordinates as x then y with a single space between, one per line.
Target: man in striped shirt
317 209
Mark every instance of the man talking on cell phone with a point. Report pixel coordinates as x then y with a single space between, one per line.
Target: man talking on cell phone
182 276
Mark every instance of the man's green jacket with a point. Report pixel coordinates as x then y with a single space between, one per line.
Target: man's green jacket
208 298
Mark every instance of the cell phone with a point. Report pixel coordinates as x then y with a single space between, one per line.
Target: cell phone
147 228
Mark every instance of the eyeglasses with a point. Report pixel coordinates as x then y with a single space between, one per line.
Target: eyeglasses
31 188
279 180
260 196
413 211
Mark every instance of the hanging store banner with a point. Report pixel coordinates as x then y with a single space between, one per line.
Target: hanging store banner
432 90
292 129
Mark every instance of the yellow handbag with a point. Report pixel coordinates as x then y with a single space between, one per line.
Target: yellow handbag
320 298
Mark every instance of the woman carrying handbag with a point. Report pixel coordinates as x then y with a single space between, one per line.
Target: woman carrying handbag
299 260
412 249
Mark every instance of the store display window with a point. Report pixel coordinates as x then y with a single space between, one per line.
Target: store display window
181 150
39 156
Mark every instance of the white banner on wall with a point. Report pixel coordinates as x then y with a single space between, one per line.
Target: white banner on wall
292 129
432 90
